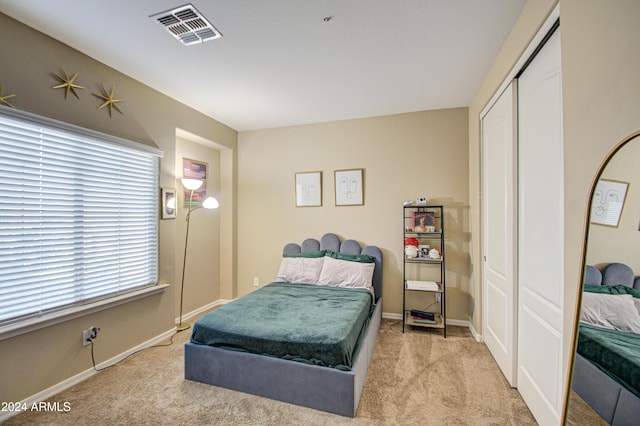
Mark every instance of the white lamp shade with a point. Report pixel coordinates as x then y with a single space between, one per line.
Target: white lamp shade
191 184
210 203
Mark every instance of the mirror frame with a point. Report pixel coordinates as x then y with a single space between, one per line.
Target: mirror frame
583 264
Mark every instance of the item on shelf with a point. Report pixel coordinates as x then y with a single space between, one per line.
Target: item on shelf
422 314
422 285
411 247
421 200
407 203
410 241
423 222
434 254
411 251
419 320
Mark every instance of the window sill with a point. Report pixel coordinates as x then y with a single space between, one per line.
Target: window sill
33 324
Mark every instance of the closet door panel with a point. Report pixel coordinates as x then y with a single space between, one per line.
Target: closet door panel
541 234
499 244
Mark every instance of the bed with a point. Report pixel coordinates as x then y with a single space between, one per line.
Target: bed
293 367
607 365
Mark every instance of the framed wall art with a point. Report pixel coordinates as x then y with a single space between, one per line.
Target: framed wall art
192 169
349 187
608 202
168 203
308 186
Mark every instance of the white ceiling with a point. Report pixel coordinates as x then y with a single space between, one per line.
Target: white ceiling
280 64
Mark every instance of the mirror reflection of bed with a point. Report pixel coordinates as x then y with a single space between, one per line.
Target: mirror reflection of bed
606 375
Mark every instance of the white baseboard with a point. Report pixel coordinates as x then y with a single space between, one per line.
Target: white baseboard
65 384
459 323
476 335
200 310
390 315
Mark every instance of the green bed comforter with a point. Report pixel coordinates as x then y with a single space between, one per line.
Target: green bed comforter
302 322
614 352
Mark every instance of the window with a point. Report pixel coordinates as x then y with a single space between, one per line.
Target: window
78 216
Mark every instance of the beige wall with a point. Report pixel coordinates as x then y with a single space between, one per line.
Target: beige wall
404 156
600 59
608 244
37 360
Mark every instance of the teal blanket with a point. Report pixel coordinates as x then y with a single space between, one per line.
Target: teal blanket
302 322
614 352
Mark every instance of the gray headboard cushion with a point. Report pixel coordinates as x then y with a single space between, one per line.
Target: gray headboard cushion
617 274
592 276
332 242
612 274
350 247
309 245
377 271
291 248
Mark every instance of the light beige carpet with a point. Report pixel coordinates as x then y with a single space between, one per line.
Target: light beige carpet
415 378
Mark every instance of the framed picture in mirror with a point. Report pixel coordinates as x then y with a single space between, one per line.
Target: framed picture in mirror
608 202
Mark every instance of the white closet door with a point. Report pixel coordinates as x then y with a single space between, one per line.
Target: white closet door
541 234
499 243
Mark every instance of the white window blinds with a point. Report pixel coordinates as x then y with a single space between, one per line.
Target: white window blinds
78 215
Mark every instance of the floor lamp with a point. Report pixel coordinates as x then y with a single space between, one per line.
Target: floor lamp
191 185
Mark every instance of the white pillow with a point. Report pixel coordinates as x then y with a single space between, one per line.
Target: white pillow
343 273
613 311
304 270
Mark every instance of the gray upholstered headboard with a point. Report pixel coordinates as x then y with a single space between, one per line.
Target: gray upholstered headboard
332 242
612 274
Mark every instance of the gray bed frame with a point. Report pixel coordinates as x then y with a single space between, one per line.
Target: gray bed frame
321 388
612 401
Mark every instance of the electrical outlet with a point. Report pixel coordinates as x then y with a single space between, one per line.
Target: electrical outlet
438 297
256 281
89 335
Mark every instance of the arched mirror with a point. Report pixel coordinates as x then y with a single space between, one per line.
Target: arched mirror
606 367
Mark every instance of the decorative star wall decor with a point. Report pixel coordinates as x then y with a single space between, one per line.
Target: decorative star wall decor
108 98
67 83
3 98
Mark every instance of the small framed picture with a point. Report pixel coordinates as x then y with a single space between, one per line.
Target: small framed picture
423 222
349 187
308 187
168 203
608 202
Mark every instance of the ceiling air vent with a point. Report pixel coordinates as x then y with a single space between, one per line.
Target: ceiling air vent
187 25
